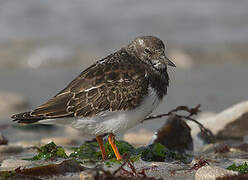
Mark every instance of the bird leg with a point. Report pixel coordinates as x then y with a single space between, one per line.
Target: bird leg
100 142
111 140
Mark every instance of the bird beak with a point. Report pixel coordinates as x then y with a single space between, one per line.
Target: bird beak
167 61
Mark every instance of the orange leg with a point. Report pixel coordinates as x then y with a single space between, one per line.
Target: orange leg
100 142
111 140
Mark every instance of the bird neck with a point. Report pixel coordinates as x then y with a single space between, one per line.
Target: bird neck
159 81
158 78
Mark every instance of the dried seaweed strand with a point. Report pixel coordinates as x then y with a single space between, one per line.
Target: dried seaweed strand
192 111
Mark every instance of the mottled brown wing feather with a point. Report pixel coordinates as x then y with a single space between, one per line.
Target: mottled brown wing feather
115 83
55 107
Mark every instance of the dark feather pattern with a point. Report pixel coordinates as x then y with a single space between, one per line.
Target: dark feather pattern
115 83
118 82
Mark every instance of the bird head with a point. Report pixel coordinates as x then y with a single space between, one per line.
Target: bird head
150 50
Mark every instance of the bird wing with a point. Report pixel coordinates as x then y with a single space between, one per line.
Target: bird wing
115 83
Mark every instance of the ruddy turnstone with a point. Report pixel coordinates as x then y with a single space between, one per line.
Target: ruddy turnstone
111 96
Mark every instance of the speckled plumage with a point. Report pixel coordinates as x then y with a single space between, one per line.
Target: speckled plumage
118 83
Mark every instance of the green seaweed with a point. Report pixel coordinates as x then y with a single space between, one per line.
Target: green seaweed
154 152
243 168
123 147
49 151
90 151
87 151
158 152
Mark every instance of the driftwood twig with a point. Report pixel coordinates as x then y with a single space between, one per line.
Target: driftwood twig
206 133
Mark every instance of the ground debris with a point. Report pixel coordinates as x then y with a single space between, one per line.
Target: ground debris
72 166
159 153
200 163
206 133
67 166
91 151
175 135
123 173
49 151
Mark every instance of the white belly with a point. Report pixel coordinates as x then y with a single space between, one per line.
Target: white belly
116 122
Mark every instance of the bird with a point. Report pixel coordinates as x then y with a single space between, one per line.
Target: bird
112 95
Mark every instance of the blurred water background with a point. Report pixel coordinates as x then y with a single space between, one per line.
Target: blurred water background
45 44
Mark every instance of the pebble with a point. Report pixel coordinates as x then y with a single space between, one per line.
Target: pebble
212 173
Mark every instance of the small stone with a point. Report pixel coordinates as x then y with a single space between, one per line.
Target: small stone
213 172
14 163
86 175
10 149
63 141
141 137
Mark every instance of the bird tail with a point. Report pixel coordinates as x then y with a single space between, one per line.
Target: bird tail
26 118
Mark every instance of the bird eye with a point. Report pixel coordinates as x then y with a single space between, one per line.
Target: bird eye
147 51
